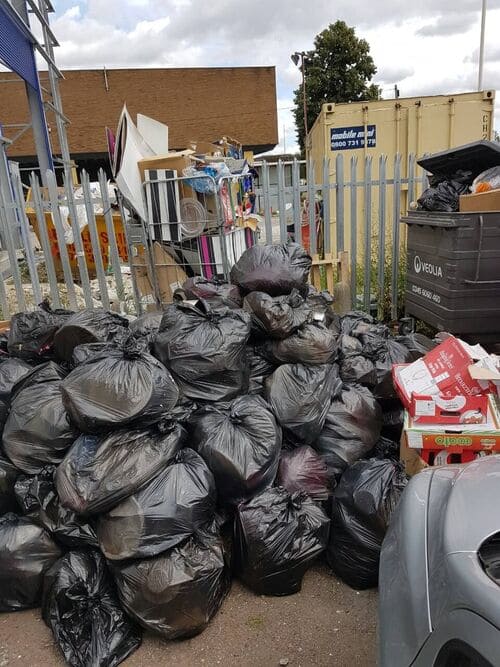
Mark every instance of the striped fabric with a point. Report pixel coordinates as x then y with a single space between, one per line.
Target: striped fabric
163 205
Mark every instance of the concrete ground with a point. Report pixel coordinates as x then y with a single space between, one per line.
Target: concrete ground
325 624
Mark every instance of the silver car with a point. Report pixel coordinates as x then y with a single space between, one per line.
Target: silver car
440 570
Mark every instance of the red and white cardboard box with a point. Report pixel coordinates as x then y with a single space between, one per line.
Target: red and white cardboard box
444 370
440 409
456 437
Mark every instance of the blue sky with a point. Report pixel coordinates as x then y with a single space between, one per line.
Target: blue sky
429 47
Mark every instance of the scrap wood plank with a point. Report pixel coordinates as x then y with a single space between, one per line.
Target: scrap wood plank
322 274
342 289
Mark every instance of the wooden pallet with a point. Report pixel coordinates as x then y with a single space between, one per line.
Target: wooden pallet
333 274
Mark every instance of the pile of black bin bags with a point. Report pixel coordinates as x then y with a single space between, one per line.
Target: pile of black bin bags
145 463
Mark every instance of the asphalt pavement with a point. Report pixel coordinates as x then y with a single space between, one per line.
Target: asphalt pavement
326 624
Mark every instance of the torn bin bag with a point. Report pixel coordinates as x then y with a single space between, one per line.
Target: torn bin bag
82 609
300 396
362 506
204 349
8 476
31 334
118 387
302 469
277 537
26 552
216 292
176 593
98 472
278 316
240 443
313 343
37 430
88 326
38 499
352 427
171 508
273 269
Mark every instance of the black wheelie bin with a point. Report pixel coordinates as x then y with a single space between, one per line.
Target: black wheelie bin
453 276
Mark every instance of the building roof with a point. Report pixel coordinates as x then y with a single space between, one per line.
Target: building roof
200 104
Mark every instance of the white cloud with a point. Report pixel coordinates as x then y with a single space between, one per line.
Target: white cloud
423 47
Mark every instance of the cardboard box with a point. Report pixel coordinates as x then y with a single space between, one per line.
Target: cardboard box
480 202
169 275
449 410
176 161
443 370
416 460
475 437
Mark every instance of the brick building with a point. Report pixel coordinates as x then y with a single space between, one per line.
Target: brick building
201 104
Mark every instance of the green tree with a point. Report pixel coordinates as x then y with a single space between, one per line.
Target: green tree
338 69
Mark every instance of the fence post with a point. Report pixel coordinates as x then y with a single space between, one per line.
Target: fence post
267 202
327 222
8 223
77 239
339 174
381 233
61 241
44 239
94 237
313 245
281 202
395 237
26 237
368 233
297 214
354 229
113 247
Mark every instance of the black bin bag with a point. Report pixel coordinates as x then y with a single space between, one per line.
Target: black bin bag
98 472
240 443
124 384
273 269
177 593
81 607
11 371
302 469
26 552
37 497
300 396
8 476
204 349
277 537
216 292
259 368
88 326
362 506
31 334
352 427
170 509
278 316
37 431
146 326
313 343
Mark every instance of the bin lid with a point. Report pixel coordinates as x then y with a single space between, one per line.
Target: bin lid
475 157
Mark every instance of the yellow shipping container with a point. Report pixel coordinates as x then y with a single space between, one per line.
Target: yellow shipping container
416 125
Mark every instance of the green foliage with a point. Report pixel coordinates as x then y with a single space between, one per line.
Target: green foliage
338 69
384 297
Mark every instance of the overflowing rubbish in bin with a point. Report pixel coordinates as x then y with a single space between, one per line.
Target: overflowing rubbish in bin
125 443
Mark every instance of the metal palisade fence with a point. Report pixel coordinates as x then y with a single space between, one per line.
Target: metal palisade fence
346 205
78 246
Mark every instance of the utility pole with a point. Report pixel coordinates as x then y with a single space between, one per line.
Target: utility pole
481 47
296 57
